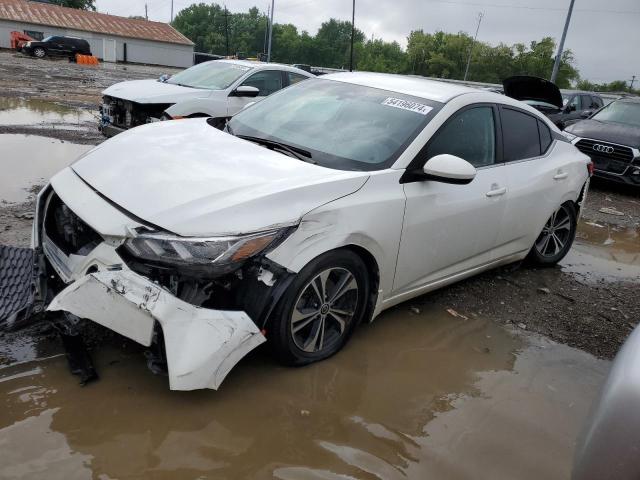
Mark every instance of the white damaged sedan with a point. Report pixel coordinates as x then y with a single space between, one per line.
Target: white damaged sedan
315 210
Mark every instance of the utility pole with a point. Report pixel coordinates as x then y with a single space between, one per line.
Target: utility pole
226 27
145 12
633 79
270 32
556 64
353 29
266 30
171 11
466 70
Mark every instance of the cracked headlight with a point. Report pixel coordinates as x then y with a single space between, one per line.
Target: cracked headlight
220 254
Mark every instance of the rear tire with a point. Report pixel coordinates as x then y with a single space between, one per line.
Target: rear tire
556 238
319 311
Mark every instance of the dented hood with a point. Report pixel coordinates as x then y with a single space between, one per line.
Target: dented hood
194 180
153 91
523 87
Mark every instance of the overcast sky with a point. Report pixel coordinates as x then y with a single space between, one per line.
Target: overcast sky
604 36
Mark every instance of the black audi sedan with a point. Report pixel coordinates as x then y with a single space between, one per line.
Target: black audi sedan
611 137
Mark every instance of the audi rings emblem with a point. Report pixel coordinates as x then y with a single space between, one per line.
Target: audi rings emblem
603 148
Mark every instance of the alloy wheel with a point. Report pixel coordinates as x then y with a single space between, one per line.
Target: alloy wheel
324 309
555 234
39 52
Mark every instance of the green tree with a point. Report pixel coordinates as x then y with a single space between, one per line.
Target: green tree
79 4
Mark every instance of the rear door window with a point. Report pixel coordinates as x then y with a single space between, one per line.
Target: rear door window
295 78
520 135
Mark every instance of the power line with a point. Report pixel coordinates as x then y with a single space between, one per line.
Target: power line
527 7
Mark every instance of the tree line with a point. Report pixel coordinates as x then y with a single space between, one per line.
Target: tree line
439 54
443 55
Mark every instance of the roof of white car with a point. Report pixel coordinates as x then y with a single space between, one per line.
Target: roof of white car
418 87
258 64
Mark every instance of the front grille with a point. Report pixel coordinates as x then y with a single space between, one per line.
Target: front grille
69 233
126 114
619 153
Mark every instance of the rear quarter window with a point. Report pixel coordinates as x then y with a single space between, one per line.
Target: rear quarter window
545 137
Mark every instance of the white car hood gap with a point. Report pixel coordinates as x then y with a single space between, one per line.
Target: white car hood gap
194 180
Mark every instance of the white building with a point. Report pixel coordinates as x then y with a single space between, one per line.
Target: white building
111 38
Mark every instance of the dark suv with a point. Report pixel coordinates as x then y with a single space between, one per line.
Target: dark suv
57 45
562 109
611 137
576 107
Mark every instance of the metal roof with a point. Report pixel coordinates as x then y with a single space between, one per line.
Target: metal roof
63 17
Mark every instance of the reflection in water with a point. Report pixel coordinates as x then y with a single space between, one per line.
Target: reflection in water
604 252
32 160
418 396
32 111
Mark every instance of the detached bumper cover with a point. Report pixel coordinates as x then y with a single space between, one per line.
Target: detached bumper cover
202 345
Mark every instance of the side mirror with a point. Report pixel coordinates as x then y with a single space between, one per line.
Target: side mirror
164 77
449 169
246 91
585 113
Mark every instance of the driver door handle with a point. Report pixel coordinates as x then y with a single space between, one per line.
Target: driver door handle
496 191
560 176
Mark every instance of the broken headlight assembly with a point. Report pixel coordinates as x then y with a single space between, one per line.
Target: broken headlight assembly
216 255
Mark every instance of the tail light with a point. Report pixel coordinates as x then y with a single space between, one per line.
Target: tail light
590 168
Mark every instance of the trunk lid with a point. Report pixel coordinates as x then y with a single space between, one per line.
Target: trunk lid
524 87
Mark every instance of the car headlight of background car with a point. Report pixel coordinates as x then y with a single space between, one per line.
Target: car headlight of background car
219 255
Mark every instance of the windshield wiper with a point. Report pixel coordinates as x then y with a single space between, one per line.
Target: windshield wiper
299 153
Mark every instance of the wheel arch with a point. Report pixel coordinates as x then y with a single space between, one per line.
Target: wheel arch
373 271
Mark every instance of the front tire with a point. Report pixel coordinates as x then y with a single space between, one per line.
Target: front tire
321 308
39 52
557 236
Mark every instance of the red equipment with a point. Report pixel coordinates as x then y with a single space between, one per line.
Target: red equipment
18 39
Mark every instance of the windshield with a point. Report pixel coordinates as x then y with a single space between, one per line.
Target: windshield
47 39
620 112
343 126
213 75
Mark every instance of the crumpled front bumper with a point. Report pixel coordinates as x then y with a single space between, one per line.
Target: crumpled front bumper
202 345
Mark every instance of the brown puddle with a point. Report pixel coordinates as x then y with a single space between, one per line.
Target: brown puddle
412 396
32 160
604 252
32 111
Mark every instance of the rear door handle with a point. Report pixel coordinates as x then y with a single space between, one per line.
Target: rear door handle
560 176
496 192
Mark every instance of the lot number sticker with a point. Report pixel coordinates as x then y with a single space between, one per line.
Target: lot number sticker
416 107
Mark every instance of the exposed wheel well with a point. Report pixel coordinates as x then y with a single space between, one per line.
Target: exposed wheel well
374 276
